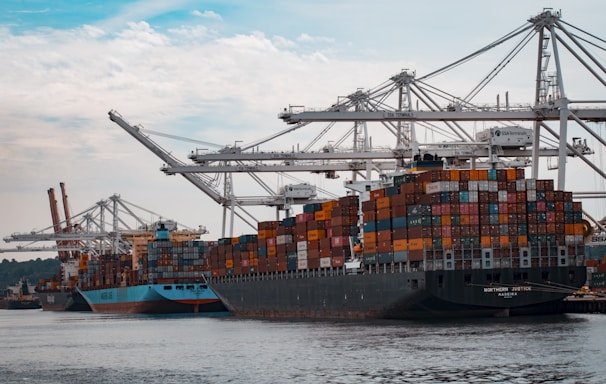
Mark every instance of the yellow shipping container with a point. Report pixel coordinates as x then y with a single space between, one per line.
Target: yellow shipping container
229 263
322 215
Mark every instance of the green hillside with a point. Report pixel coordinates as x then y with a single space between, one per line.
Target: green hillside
33 270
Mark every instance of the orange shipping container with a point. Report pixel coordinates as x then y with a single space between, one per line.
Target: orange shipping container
383 202
272 251
415 244
569 229
316 234
370 237
578 229
447 242
329 205
400 245
504 241
523 240
485 241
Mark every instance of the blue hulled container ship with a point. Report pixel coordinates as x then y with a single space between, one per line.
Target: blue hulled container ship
165 274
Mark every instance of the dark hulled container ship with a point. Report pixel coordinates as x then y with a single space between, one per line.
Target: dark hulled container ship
442 243
59 293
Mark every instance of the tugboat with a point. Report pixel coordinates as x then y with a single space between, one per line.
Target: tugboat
21 296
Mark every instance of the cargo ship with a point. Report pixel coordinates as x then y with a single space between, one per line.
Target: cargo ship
438 243
162 275
21 296
59 293
63 300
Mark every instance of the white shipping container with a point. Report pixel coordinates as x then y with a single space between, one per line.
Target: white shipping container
531 195
493 186
283 239
302 264
437 187
520 185
482 185
473 196
502 196
301 245
302 255
472 185
325 262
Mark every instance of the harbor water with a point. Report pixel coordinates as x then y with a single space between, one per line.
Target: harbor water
63 347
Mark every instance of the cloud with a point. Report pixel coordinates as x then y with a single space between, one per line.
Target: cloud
283 42
306 38
30 11
196 32
207 15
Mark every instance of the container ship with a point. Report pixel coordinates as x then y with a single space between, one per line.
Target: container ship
59 293
438 243
165 274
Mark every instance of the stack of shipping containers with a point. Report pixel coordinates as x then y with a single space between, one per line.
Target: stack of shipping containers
475 218
470 212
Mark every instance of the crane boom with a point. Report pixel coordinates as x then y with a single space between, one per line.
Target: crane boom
165 156
63 255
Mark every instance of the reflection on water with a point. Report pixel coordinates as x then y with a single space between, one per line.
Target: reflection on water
55 347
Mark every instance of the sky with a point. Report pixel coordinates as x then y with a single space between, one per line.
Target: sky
216 72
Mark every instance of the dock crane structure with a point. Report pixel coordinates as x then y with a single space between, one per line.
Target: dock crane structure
377 131
108 226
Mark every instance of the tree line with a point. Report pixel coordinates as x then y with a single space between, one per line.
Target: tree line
33 270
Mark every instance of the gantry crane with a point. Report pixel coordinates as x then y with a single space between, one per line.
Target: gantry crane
403 106
89 234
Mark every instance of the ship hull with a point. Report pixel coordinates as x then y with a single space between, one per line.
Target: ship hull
63 301
154 299
23 304
400 295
